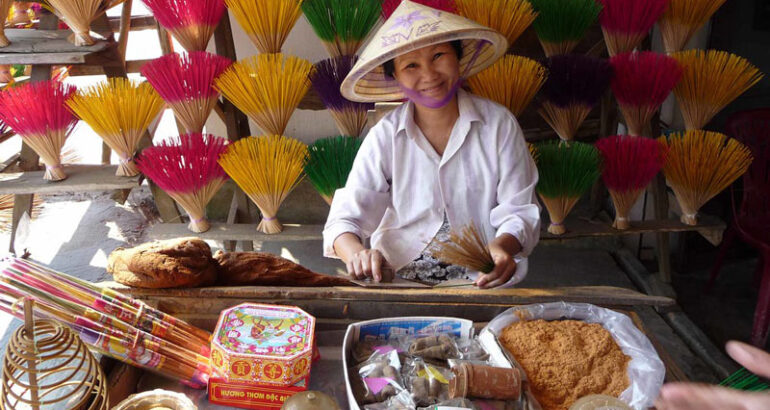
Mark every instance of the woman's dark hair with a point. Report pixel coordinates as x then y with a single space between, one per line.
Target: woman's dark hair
390 67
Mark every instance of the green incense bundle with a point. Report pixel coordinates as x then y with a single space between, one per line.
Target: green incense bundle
342 25
561 24
566 173
329 163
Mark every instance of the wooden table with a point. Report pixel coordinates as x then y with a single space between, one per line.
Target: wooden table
336 307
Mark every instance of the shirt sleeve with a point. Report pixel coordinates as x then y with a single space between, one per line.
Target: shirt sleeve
359 207
517 211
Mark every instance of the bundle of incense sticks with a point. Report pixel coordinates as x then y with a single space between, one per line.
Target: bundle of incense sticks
109 322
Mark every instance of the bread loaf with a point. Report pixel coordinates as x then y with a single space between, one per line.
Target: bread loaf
265 269
174 263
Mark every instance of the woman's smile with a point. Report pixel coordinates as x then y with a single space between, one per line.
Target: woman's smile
435 90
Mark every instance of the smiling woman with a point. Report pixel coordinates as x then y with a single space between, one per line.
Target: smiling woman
444 159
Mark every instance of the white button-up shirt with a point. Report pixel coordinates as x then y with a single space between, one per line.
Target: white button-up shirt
400 188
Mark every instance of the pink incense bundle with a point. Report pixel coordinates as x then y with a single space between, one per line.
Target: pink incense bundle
625 23
389 6
641 83
185 81
38 113
186 168
191 22
628 165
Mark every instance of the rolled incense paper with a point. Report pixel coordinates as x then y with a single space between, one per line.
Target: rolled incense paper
484 382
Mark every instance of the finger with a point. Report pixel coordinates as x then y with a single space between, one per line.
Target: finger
351 270
692 396
358 269
377 266
366 264
750 357
486 278
509 269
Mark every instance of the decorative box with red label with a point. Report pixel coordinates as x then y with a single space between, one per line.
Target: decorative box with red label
252 395
265 344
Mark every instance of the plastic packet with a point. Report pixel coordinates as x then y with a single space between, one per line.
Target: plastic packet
438 347
452 404
365 349
471 349
381 377
401 401
427 382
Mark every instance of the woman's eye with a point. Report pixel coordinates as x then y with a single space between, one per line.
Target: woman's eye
411 65
437 55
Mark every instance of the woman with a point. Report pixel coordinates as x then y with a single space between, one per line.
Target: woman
445 158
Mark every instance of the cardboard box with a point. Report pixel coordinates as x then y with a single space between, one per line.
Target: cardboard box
252 395
383 328
265 344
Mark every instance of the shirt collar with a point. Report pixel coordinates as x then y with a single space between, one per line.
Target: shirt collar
465 104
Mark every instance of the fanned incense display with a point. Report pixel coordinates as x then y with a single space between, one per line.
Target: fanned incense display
561 24
512 81
267 169
191 22
267 88
120 112
682 19
329 163
711 79
700 164
342 25
625 23
350 116
266 22
509 17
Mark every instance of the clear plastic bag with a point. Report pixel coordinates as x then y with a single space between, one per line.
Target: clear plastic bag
380 377
427 382
438 347
645 370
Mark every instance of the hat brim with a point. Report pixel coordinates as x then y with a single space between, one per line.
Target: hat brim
367 81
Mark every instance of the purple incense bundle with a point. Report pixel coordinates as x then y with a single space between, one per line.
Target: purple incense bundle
327 77
574 86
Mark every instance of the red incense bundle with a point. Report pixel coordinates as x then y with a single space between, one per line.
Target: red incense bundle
38 113
191 22
628 166
641 83
186 168
625 23
185 82
389 6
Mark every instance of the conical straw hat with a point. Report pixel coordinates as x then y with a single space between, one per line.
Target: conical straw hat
413 26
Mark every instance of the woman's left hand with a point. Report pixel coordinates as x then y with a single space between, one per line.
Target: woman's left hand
505 267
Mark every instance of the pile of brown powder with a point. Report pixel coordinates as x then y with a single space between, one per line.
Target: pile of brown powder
566 360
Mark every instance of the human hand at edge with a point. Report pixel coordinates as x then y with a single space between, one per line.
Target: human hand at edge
505 267
370 263
694 396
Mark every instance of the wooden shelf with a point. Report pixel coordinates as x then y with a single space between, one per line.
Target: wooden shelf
79 178
238 232
709 226
50 47
576 228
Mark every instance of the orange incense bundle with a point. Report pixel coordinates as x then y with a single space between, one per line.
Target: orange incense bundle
187 169
628 165
682 19
700 164
38 113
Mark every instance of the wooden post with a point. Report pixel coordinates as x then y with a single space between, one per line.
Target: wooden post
237 127
28 158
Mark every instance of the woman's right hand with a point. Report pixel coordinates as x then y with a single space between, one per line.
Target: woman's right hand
369 263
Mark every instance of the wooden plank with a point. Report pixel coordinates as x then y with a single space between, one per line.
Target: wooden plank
80 178
239 232
132 66
601 295
577 227
138 23
46 47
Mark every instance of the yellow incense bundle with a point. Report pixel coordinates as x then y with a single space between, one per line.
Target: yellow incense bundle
710 80
267 22
267 168
700 164
512 81
119 111
78 14
267 88
509 17
682 19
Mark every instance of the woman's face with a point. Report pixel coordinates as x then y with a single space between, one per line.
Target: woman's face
432 71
